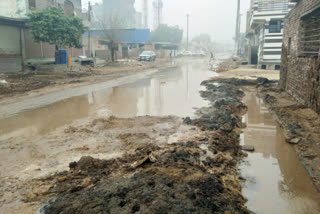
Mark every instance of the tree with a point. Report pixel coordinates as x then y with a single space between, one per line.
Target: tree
165 33
111 19
51 25
111 26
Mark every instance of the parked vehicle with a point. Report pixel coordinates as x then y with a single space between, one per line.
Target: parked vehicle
147 56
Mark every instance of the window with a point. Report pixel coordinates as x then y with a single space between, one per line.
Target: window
275 26
309 35
32 4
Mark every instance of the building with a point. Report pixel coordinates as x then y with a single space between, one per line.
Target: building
265 32
300 65
129 42
157 13
16 44
116 14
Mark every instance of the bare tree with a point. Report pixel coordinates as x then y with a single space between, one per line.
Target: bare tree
111 26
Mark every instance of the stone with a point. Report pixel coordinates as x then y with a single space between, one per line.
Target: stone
295 140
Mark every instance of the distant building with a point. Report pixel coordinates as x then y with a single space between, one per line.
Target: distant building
300 66
16 45
265 32
129 42
116 14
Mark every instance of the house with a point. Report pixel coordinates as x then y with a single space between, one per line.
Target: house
300 62
265 32
16 45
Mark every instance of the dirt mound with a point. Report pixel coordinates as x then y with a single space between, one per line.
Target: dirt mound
148 192
175 179
226 106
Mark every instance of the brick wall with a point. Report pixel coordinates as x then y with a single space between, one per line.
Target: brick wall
33 50
299 76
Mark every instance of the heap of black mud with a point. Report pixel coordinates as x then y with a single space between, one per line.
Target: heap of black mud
198 176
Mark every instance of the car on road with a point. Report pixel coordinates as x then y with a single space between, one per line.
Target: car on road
147 56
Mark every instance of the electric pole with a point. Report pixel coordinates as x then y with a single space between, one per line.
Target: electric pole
188 31
89 33
237 36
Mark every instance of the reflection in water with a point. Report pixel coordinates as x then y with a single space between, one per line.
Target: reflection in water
276 180
173 91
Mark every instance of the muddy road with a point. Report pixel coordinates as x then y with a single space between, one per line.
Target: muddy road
162 141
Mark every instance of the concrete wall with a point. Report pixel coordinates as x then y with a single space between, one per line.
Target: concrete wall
9 40
13 8
299 76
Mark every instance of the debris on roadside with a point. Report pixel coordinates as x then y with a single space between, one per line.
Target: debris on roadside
248 148
295 140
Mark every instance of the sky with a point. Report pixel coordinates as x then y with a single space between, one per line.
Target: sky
214 17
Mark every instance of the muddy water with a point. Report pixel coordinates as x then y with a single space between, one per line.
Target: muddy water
174 91
276 182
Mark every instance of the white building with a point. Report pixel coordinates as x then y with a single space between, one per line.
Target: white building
265 32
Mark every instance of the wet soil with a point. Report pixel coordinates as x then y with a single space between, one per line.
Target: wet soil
300 126
19 83
198 175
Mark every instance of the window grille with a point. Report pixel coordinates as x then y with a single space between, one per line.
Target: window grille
309 37
275 26
272 5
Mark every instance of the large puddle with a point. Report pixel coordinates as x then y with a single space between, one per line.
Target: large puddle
174 91
276 181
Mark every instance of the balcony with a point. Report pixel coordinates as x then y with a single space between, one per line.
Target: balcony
263 11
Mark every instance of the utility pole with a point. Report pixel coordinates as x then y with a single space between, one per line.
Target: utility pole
188 31
237 36
89 33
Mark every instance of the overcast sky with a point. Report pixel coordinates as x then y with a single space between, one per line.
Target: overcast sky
215 17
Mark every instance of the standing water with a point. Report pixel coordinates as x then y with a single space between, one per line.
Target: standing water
276 181
171 91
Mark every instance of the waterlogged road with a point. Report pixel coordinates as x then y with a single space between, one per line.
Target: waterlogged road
276 182
171 91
